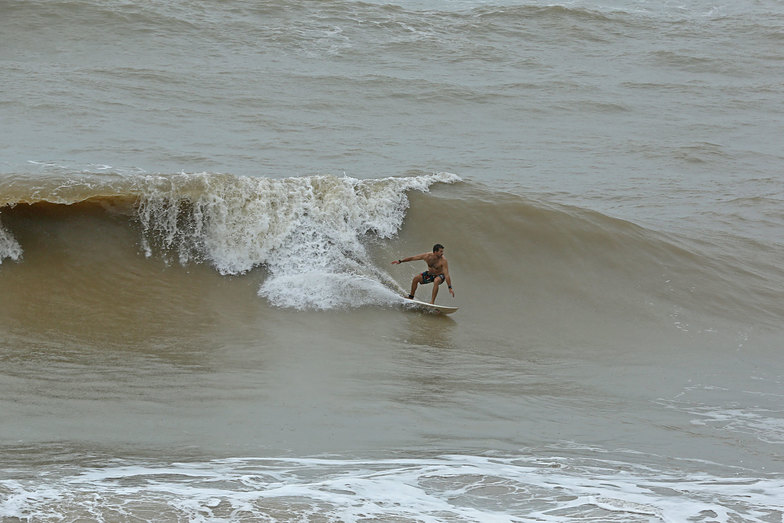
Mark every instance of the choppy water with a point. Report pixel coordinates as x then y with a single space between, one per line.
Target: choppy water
199 204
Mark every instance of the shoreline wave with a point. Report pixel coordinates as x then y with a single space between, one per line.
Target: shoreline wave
550 487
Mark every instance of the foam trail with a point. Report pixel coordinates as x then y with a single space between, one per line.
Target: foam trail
326 290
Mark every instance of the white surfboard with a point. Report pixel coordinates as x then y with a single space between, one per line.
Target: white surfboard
443 309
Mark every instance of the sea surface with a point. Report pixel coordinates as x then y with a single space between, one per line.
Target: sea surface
199 207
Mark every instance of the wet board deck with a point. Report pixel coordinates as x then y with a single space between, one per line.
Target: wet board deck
443 309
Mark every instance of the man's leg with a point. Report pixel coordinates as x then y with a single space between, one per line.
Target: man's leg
436 283
416 281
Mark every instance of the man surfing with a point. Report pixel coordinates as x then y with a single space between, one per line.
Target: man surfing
437 271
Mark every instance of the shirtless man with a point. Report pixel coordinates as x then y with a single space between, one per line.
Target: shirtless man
437 271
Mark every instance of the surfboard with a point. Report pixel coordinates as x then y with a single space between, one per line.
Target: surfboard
443 309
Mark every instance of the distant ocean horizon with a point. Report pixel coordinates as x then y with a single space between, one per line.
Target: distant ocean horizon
200 204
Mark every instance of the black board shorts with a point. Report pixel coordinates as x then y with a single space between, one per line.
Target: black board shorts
430 278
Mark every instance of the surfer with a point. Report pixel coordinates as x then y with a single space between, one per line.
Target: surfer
437 271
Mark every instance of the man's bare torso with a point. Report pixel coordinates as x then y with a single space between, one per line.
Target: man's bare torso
435 263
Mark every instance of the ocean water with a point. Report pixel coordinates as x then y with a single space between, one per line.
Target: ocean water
200 201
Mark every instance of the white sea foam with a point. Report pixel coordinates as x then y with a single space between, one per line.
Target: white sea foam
326 290
764 424
308 232
718 408
9 247
441 488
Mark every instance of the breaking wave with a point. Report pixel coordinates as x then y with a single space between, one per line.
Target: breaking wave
319 241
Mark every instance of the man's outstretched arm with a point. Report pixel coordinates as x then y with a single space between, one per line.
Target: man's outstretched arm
410 258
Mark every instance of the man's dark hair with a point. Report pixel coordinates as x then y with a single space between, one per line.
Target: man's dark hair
437 247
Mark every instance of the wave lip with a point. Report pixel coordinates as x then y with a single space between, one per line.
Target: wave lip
238 223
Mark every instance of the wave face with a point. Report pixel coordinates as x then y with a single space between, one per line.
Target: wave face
579 263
